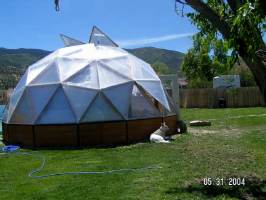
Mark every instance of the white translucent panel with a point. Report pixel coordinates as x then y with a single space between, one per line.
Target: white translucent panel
35 69
109 77
86 51
101 110
58 111
45 60
69 66
48 76
23 113
79 98
120 65
68 41
103 52
22 82
69 51
99 38
141 70
120 97
14 100
87 77
32 103
40 96
155 89
141 107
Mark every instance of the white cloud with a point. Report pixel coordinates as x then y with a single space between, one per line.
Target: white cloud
137 42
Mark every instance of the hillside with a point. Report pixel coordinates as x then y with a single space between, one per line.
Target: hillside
20 58
14 62
172 59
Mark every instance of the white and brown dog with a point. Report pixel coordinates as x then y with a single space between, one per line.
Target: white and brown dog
159 135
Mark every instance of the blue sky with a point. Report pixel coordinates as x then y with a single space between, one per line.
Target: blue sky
130 23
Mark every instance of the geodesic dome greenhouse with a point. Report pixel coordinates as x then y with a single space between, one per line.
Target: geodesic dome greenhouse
87 94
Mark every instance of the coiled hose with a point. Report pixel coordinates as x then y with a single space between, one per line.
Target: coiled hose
32 174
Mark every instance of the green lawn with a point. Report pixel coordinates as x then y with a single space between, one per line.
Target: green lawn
234 146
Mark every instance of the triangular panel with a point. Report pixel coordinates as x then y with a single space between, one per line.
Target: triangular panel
23 112
22 82
48 76
120 97
13 102
68 41
68 67
40 96
101 110
155 89
120 65
79 98
58 111
109 77
87 77
140 106
35 69
32 103
99 38
141 70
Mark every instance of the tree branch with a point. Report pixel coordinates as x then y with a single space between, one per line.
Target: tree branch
211 15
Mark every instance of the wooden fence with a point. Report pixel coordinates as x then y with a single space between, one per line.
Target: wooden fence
209 97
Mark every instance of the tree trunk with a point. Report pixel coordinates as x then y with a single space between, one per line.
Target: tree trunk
258 69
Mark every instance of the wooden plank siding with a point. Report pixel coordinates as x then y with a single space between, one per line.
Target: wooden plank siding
208 98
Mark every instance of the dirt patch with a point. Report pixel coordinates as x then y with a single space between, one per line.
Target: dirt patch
225 131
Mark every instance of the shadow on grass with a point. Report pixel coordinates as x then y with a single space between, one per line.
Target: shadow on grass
254 188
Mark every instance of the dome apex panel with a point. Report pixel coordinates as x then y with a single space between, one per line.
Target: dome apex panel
109 52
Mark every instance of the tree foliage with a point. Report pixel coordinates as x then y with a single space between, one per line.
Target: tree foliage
207 58
160 68
240 24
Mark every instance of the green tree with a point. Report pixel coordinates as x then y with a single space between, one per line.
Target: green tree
207 58
160 68
239 23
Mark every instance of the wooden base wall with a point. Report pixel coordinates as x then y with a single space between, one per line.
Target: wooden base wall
83 135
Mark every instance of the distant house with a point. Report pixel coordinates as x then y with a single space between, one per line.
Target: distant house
226 81
182 82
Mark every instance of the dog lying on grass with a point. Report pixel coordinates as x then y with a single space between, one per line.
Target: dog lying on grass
159 135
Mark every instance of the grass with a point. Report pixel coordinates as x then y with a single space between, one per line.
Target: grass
234 146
